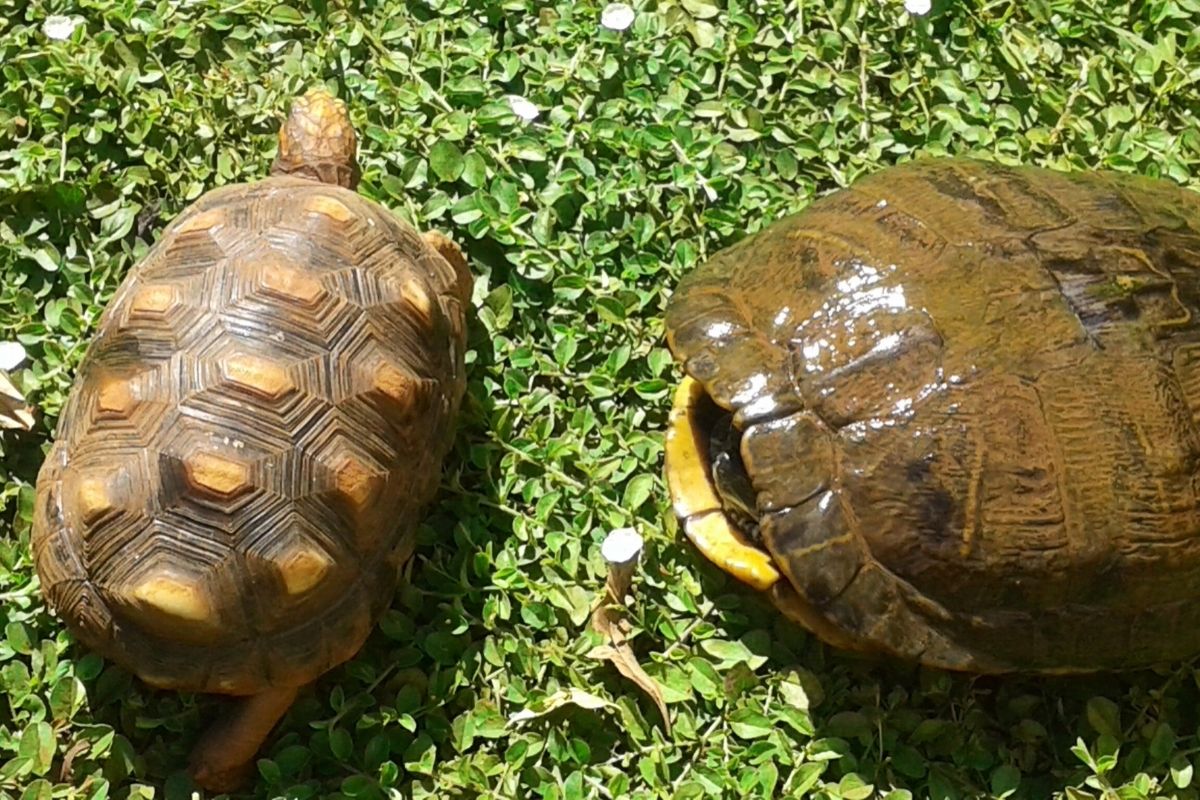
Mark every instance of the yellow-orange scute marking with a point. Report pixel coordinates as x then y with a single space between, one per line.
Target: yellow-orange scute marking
153 300
216 474
259 375
395 384
329 207
174 597
416 295
93 498
293 284
203 221
303 568
115 397
357 484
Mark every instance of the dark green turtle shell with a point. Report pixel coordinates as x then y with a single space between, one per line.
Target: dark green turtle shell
968 398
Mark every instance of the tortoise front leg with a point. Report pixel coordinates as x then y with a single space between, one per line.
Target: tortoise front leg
453 254
224 757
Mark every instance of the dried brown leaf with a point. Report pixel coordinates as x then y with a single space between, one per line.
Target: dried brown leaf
608 620
626 662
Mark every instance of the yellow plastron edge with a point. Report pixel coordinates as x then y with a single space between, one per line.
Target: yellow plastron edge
695 500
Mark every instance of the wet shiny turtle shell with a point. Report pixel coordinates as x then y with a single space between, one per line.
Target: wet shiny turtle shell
966 400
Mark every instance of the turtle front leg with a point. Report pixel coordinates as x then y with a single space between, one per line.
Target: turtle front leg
224 757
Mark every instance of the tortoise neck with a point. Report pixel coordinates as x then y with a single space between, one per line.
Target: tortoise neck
336 173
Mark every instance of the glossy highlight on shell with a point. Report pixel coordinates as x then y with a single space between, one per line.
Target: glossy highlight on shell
968 402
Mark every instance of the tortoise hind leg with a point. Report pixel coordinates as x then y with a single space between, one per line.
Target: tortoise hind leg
223 759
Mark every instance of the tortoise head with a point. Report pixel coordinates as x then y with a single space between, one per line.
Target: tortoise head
317 141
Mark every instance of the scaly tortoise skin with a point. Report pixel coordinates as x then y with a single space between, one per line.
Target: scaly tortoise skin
238 472
950 414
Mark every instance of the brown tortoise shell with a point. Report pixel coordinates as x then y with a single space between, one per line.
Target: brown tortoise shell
970 404
238 472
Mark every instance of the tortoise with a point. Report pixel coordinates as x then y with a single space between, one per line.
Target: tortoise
951 415
240 467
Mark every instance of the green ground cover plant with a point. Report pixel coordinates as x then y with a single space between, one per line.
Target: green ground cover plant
652 147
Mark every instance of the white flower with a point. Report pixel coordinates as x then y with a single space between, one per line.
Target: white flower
522 107
616 16
918 8
621 546
60 27
11 355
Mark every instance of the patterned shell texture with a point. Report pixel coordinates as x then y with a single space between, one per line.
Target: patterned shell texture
237 475
970 397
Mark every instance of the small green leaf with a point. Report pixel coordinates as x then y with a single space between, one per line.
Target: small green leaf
38 746
749 724
421 755
499 304
17 636
38 790
446 160
797 720
908 761
341 744
474 172
270 771
801 689
1005 780
807 775
1181 771
637 491
286 15
1162 742
730 653
701 9
528 149
704 34
1104 716
853 787
849 724
704 678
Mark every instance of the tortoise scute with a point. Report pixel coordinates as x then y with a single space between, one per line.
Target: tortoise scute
823 554
281 372
217 475
154 300
260 376
772 450
739 369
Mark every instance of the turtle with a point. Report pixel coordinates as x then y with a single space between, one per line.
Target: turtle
242 462
949 415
